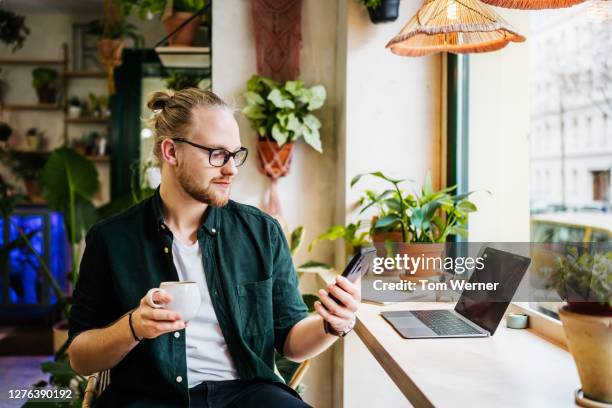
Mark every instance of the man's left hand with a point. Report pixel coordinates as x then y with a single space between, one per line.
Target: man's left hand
341 314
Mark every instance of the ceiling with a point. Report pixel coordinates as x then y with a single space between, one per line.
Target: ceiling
59 6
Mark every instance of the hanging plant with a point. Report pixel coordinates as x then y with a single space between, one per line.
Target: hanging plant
281 114
173 14
112 31
13 30
382 11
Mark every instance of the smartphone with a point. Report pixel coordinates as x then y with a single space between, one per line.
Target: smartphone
357 266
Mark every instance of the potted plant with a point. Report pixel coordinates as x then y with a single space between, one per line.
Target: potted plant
27 166
281 114
179 80
75 107
418 223
173 14
353 234
44 80
13 30
33 138
583 278
382 11
5 133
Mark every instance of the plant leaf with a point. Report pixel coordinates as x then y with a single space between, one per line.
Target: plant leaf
253 98
317 97
387 221
313 138
279 135
312 121
296 239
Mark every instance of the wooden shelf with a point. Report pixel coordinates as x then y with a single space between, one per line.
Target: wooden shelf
30 61
33 106
36 152
99 159
90 120
84 74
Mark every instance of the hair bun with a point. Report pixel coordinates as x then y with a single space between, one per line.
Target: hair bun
158 100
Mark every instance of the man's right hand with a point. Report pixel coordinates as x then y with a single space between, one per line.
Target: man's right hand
149 322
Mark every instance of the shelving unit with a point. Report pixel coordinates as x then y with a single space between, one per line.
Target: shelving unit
65 76
88 120
34 106
98 159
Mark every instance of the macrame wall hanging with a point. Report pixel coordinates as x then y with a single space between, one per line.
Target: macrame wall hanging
278 40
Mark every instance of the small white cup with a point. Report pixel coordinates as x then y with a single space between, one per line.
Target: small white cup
186 298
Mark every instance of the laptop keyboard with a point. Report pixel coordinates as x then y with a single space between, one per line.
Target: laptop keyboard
443 322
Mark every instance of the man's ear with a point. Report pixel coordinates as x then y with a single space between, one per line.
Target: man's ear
168 152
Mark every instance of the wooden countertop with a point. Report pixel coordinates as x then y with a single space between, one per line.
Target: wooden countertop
513 368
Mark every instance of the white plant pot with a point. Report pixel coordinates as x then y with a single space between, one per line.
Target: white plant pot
589 339
74 112
153 177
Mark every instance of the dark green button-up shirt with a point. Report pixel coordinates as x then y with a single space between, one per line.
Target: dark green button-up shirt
250 275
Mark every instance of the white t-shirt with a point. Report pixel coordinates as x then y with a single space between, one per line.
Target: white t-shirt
207 355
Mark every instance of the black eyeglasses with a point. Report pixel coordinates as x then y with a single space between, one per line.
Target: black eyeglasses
218 157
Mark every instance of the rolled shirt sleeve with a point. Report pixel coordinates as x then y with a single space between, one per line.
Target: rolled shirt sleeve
288 306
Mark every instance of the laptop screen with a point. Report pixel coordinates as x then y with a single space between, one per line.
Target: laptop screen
486 308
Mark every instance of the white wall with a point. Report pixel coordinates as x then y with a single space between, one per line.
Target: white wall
499 121
307 193
392 113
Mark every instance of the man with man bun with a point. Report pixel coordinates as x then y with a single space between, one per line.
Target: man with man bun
190 230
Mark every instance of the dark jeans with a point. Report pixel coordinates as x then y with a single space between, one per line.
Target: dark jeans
244 394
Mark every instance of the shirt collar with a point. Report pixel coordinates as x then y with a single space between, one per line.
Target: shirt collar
211 220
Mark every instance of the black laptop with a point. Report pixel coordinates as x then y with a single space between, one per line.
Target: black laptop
476 314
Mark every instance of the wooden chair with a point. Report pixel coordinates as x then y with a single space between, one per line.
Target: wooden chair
97 382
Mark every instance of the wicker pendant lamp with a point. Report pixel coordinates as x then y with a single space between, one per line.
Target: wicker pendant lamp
533 4
458 26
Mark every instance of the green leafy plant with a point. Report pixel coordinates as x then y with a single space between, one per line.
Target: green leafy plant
179 80
13 31
116 30
353 235
43 77
147 8
24 165
427 216
371 4
584 280
69 182
74 101
283 112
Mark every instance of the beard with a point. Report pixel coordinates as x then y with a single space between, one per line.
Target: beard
205 195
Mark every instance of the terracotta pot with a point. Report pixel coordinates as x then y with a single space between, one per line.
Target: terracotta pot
186 35
274 161
60 335
46 95
110 51
589 339
413 250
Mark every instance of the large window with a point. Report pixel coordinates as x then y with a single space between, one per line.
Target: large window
540 129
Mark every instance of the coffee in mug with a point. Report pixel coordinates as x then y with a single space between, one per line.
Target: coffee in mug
186 298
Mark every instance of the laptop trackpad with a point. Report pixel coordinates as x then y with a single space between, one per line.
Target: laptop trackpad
408 325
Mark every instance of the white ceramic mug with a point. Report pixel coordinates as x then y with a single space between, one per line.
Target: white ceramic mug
186 298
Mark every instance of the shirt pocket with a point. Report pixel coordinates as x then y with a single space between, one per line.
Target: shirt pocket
255 303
